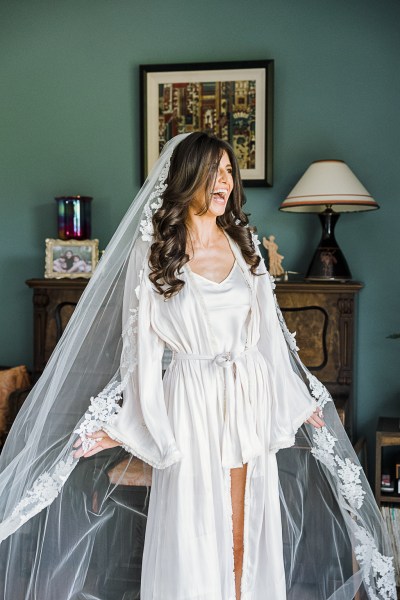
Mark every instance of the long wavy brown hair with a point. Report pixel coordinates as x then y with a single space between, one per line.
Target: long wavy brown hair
194 165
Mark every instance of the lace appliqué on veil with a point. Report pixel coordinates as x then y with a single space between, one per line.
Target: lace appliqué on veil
101 410
373 564
377 569
318 390
376 566
153 204
106 405
42 493
254 236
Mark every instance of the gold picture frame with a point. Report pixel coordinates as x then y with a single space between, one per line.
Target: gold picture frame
71 259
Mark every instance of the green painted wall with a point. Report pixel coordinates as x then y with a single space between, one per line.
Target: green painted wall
69 105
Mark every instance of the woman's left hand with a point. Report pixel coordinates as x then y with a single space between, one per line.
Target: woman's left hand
102 442
316 419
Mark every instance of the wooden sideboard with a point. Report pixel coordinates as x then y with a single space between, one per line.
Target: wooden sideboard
322 314
54 301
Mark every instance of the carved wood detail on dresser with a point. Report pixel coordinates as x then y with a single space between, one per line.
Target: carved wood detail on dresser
322 314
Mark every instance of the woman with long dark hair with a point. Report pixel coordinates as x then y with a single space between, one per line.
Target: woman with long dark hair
224 522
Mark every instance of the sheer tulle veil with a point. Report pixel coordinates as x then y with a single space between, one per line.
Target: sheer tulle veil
74 529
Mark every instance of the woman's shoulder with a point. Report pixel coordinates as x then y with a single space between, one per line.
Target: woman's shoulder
237 250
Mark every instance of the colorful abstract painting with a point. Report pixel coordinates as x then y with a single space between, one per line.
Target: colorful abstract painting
234 101
224 108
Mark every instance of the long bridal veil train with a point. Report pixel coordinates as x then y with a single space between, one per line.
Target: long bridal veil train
74 529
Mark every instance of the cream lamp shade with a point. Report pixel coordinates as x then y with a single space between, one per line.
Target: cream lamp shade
328 187
328 183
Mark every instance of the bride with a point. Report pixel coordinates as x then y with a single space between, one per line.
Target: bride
247 502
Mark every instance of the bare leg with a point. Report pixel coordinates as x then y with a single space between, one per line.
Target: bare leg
238 485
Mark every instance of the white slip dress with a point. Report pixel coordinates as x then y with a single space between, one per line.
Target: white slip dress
188 552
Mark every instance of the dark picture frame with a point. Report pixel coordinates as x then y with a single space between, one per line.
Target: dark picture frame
233 100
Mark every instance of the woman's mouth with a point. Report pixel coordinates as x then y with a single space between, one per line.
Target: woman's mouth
219 196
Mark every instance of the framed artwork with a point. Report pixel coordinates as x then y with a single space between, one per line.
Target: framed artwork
233 100
71 258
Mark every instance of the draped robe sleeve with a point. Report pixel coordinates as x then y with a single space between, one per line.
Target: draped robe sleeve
292 402
142 425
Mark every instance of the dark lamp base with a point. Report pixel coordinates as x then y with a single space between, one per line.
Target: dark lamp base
328 262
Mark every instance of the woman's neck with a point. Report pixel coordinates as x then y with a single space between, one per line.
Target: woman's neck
203 230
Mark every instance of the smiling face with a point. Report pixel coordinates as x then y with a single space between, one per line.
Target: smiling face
220 192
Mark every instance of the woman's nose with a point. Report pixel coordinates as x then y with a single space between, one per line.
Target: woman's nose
222 174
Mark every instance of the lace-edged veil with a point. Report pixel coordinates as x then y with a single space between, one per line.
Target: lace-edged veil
64 522
37 459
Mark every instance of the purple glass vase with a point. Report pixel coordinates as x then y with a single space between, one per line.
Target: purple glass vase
74 217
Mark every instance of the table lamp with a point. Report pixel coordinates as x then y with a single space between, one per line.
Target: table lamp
328 187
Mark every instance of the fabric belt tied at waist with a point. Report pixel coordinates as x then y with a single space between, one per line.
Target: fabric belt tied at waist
240 441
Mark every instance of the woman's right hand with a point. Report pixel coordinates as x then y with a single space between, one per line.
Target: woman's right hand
316 419
103 442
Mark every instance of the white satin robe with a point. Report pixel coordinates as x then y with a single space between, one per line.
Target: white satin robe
228 397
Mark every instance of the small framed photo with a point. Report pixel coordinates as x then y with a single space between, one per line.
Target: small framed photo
232 100
71 258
